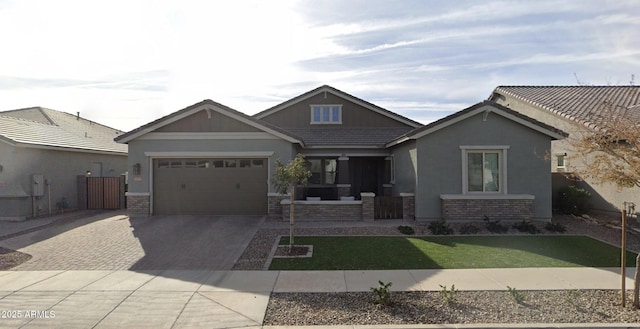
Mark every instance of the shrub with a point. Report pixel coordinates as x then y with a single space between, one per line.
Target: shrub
469 229
448 296
555 227
408 230
383 293
527 227
518 296
494 226
440 228
573 200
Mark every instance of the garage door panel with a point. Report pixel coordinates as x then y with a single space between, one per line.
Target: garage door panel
211 190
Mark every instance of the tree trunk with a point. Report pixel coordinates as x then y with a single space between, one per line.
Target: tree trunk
636 284
291 209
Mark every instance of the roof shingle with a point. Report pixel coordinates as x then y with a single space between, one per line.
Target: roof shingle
578 103
49 128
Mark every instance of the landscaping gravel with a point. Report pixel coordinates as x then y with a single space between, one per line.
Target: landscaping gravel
560 306
584 306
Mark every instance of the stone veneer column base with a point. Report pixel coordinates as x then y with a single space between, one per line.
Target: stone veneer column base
138 203
368 213
408 206
274 209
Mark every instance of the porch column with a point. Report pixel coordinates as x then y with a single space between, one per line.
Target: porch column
368 212
387 187
343 183
408 206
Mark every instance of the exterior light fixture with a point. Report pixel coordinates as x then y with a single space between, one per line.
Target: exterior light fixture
136 169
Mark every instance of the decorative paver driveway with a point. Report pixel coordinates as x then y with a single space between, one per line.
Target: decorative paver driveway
113 241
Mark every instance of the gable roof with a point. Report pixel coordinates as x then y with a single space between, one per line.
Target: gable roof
485 106
39 127
576 103
341 94
207 105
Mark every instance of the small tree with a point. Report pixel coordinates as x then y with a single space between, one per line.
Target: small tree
285 180
610 148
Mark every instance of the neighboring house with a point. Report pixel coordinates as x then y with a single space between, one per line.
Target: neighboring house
572 108
211 159
42 151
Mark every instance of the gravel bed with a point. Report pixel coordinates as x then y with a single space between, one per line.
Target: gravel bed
10 258
551 306
584 306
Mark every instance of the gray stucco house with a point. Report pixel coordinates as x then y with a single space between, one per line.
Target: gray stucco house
211 159
572 109
42 151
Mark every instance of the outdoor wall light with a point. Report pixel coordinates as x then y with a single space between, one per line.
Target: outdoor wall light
88 173
1 168
136 169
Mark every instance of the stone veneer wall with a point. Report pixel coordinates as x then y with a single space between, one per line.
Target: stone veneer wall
408 206
323 210
474 209
138 204
274 209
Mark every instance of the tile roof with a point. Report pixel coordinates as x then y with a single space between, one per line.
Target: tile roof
42 127
348 136
577 103
472 110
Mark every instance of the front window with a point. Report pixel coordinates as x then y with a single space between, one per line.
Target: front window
483 172
323 171
326 114
484 169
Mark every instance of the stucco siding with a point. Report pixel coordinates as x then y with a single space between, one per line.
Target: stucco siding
440 162
281 149
59 169
405 168
607 197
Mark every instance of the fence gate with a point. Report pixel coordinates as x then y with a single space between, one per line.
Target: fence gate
103 192
387 207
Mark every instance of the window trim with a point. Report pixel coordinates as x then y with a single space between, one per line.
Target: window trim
322 121
323 171
564 160
502 169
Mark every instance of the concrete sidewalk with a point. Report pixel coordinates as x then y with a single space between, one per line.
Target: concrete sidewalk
224 299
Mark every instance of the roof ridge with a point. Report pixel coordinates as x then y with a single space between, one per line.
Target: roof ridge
568 86
23 119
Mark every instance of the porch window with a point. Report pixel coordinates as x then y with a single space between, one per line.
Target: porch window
323 171
484 170
326 114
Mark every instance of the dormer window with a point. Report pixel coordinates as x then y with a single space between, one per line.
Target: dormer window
326 114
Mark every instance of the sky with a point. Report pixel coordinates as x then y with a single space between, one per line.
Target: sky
124 63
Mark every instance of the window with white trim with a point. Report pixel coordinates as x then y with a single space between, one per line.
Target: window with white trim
561 160
484 169
326 114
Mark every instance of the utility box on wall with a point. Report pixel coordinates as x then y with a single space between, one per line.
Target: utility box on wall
37 185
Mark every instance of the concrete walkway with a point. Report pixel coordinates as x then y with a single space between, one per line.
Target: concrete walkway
231 299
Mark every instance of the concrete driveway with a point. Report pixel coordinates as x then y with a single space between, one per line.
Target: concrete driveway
114 241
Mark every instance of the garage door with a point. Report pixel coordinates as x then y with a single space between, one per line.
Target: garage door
210 186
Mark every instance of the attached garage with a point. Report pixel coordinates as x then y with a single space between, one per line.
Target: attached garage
211 186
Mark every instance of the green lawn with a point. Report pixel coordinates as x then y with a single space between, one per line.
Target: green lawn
377 253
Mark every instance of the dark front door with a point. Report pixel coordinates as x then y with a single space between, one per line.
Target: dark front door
365 174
